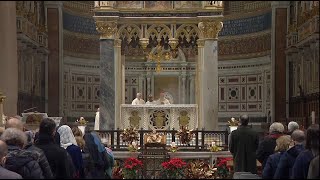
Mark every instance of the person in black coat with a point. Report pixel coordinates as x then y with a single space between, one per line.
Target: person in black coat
243 145
270 168
43 162
5 173
267 144
301 165
56 155
19 160
284 168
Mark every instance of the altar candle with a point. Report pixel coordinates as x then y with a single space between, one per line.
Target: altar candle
313 117
213 143
134 143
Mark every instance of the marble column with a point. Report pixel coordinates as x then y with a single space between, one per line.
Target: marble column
8 57
118 80
207 68
148 85
192 94
183 89
108 78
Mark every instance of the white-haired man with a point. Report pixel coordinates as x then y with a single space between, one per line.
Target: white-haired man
292 126
267 145
138 100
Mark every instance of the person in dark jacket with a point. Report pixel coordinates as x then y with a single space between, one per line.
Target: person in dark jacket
56 155
270 168
43 162
301 165
19 160
68 142
284 168
313 172
243 145
5 173
267 144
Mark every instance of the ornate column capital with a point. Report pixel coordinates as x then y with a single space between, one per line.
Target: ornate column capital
200 43
210 30
117 43
106 29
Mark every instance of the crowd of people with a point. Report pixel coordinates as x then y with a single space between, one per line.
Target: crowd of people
52 152
291 154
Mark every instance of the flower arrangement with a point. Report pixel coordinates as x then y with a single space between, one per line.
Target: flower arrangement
214 147
200 170
131 169
117 173
233 122
130 135
81 121
173 148
173 169
133 147
185 135
223 171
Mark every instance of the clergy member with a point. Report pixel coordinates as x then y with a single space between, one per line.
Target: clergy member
150 100
138 100
162 99
96 121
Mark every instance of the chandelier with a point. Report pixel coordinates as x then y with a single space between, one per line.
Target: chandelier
159 53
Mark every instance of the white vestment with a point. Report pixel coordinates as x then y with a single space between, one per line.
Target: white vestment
136 101
96 121
163 101
150 103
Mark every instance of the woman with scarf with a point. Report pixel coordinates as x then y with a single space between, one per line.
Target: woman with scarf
99 163
68 142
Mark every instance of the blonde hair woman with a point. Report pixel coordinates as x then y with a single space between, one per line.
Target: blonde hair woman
273 160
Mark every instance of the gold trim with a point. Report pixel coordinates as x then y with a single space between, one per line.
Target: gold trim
200 43
107 29
117 43
210 30
80 35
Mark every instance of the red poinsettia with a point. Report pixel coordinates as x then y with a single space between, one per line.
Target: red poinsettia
173 168
131 167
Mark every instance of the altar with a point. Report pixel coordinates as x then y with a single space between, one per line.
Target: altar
159 117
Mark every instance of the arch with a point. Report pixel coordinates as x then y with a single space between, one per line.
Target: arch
129 33
183 27
153 27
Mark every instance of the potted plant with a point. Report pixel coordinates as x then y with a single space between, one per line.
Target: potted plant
174 168
200 169
131 169
223 171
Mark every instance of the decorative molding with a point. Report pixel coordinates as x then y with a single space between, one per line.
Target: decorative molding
107 29
210 30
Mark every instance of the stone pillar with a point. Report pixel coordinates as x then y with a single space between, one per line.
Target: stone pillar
183 89
148 85
118 80
207 74
192 94
2 97
8 56
108 76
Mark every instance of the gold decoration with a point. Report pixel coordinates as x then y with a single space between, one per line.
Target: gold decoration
2 97
185 135
159 119
134 119
200 43
81 121
214 147
144 42
133 147
173 42
117 43
155 137
129 135
173 148
159 55
233 122
200 170
210 30
107 29
183 119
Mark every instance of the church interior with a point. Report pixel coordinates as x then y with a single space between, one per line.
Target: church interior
83 63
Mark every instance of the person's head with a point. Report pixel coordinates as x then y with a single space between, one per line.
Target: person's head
98 109
150 97
14 123
292 126
162 95
80 142
312 139
3 152
298 136
76 131
66 136
139 95
14 137
276 127
244 120
283 143
48 127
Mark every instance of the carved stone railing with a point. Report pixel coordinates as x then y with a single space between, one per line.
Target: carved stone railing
292 39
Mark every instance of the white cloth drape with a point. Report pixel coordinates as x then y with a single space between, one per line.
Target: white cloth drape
66 136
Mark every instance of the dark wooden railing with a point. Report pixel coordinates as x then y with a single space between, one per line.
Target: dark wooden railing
201 139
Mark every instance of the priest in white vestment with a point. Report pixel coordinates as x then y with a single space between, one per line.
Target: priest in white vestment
162 99
150 100
138 100
97 120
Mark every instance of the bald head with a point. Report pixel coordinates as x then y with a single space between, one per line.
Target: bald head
14 123
244 120
298 136
3 149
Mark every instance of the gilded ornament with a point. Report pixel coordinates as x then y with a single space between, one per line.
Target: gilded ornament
107 29
200 43
134 119
117 43
210 30
183 119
